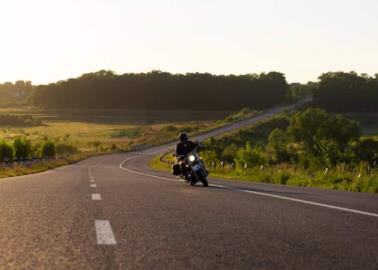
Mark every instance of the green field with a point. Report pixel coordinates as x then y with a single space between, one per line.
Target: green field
122 128
78 134
117 116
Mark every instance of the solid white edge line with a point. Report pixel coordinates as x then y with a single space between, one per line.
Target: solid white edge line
96 197
310 203
145 174
260 193
104 233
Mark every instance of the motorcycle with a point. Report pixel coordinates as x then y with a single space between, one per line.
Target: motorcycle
194 167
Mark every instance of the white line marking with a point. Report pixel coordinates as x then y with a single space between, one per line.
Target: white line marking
310 202
260 193
92 180
145 174
104 233
93 185
96 197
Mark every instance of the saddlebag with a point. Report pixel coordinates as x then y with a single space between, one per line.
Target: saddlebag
176 169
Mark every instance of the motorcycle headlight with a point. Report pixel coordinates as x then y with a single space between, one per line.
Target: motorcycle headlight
192 158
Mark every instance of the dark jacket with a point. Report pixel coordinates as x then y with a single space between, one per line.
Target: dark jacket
184 148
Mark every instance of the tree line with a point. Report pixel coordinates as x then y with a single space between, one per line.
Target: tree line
158 90
346 92
15 93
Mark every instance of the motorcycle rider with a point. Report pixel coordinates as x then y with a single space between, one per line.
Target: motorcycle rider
183 148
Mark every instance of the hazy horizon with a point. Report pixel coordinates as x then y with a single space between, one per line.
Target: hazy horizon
47 41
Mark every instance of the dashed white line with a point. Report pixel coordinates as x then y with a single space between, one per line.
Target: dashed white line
96 197
92 180
261 194
104 233
93 185
90 173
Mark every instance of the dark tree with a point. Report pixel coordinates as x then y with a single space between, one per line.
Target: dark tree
164 91
347 92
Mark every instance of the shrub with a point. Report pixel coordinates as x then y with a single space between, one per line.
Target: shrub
6 152
22 148
276 148
209 157
96 144
314 127
283 178
250 155
48 149
65 149
229 153
367 150
113 147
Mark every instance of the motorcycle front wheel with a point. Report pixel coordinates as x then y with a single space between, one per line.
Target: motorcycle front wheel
203 179
205 182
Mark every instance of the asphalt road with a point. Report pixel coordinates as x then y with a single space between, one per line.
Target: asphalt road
113 212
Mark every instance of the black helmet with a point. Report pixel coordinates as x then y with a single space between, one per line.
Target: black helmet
183 137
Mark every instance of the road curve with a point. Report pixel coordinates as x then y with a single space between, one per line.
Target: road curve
113 212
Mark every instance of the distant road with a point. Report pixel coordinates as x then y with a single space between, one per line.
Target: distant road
113 212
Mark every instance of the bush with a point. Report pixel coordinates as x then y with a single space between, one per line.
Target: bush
276 148
367 150
96 144
6 152
65 149
313 126
283 178
48 149
22 148
250 155
113 147
229 153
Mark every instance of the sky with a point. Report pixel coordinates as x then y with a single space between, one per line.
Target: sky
50 40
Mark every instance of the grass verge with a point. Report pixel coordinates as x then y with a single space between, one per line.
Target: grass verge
18 169
337 178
